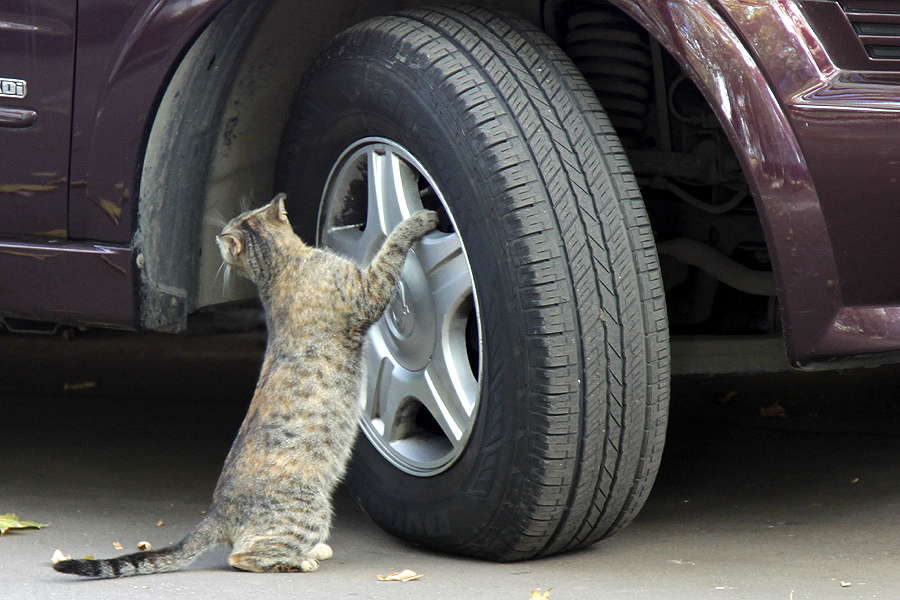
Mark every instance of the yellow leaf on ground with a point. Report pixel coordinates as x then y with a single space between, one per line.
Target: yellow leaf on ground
773 411
11 521
537 595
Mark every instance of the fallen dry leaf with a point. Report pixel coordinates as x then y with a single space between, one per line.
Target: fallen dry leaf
774 410
118 546
144 546
58 556
404 576
537 595
727 397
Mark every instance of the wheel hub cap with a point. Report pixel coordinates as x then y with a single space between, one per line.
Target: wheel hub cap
409 326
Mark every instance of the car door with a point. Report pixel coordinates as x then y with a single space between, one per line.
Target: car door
37 51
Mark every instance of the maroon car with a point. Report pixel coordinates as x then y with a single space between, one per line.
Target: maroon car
608 173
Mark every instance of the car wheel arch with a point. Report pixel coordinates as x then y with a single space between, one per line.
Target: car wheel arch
177 162
227 162
713 55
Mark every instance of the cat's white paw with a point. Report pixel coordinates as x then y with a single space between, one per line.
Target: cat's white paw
308 565
321 551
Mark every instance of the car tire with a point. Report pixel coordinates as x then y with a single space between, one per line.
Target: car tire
563 324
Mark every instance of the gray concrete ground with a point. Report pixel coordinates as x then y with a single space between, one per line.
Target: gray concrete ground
106 436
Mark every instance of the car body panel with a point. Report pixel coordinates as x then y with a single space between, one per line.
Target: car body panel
829 211
127 52
38 49
847 123
77 282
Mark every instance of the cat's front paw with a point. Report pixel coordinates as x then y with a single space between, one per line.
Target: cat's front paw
426 220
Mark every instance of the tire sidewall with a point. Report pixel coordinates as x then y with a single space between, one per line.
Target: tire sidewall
348 98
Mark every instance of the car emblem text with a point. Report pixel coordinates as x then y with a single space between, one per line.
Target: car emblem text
13 88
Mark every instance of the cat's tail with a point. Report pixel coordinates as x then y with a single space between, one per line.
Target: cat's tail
201 538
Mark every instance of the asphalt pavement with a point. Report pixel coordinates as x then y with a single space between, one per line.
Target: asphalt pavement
772 487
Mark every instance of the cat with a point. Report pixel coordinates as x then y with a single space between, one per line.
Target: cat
272 502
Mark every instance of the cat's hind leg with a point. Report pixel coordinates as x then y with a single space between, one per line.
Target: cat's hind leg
278 554
258 564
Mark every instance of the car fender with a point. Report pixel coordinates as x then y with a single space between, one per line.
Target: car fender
119 85
699 35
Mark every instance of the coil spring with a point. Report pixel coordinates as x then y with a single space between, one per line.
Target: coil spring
614 56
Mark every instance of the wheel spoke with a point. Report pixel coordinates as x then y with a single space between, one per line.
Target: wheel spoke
419 385
450 368
391 388
347 241
456 402
379 405
393 193
451 286
437 249
452 292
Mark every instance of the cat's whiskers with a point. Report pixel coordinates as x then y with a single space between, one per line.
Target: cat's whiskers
225 271
216 219
247 201
226 281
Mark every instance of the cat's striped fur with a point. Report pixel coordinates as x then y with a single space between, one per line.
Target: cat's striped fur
273 499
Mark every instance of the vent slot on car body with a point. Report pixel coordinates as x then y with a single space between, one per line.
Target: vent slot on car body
878 26
859 35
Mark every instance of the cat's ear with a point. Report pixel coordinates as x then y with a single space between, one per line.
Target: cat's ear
276 210
231 243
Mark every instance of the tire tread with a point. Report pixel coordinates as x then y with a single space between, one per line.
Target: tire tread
597 209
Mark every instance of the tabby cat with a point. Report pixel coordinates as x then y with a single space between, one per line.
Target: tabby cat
272 502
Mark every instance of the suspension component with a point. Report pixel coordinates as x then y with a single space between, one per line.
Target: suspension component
693 186
613 54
